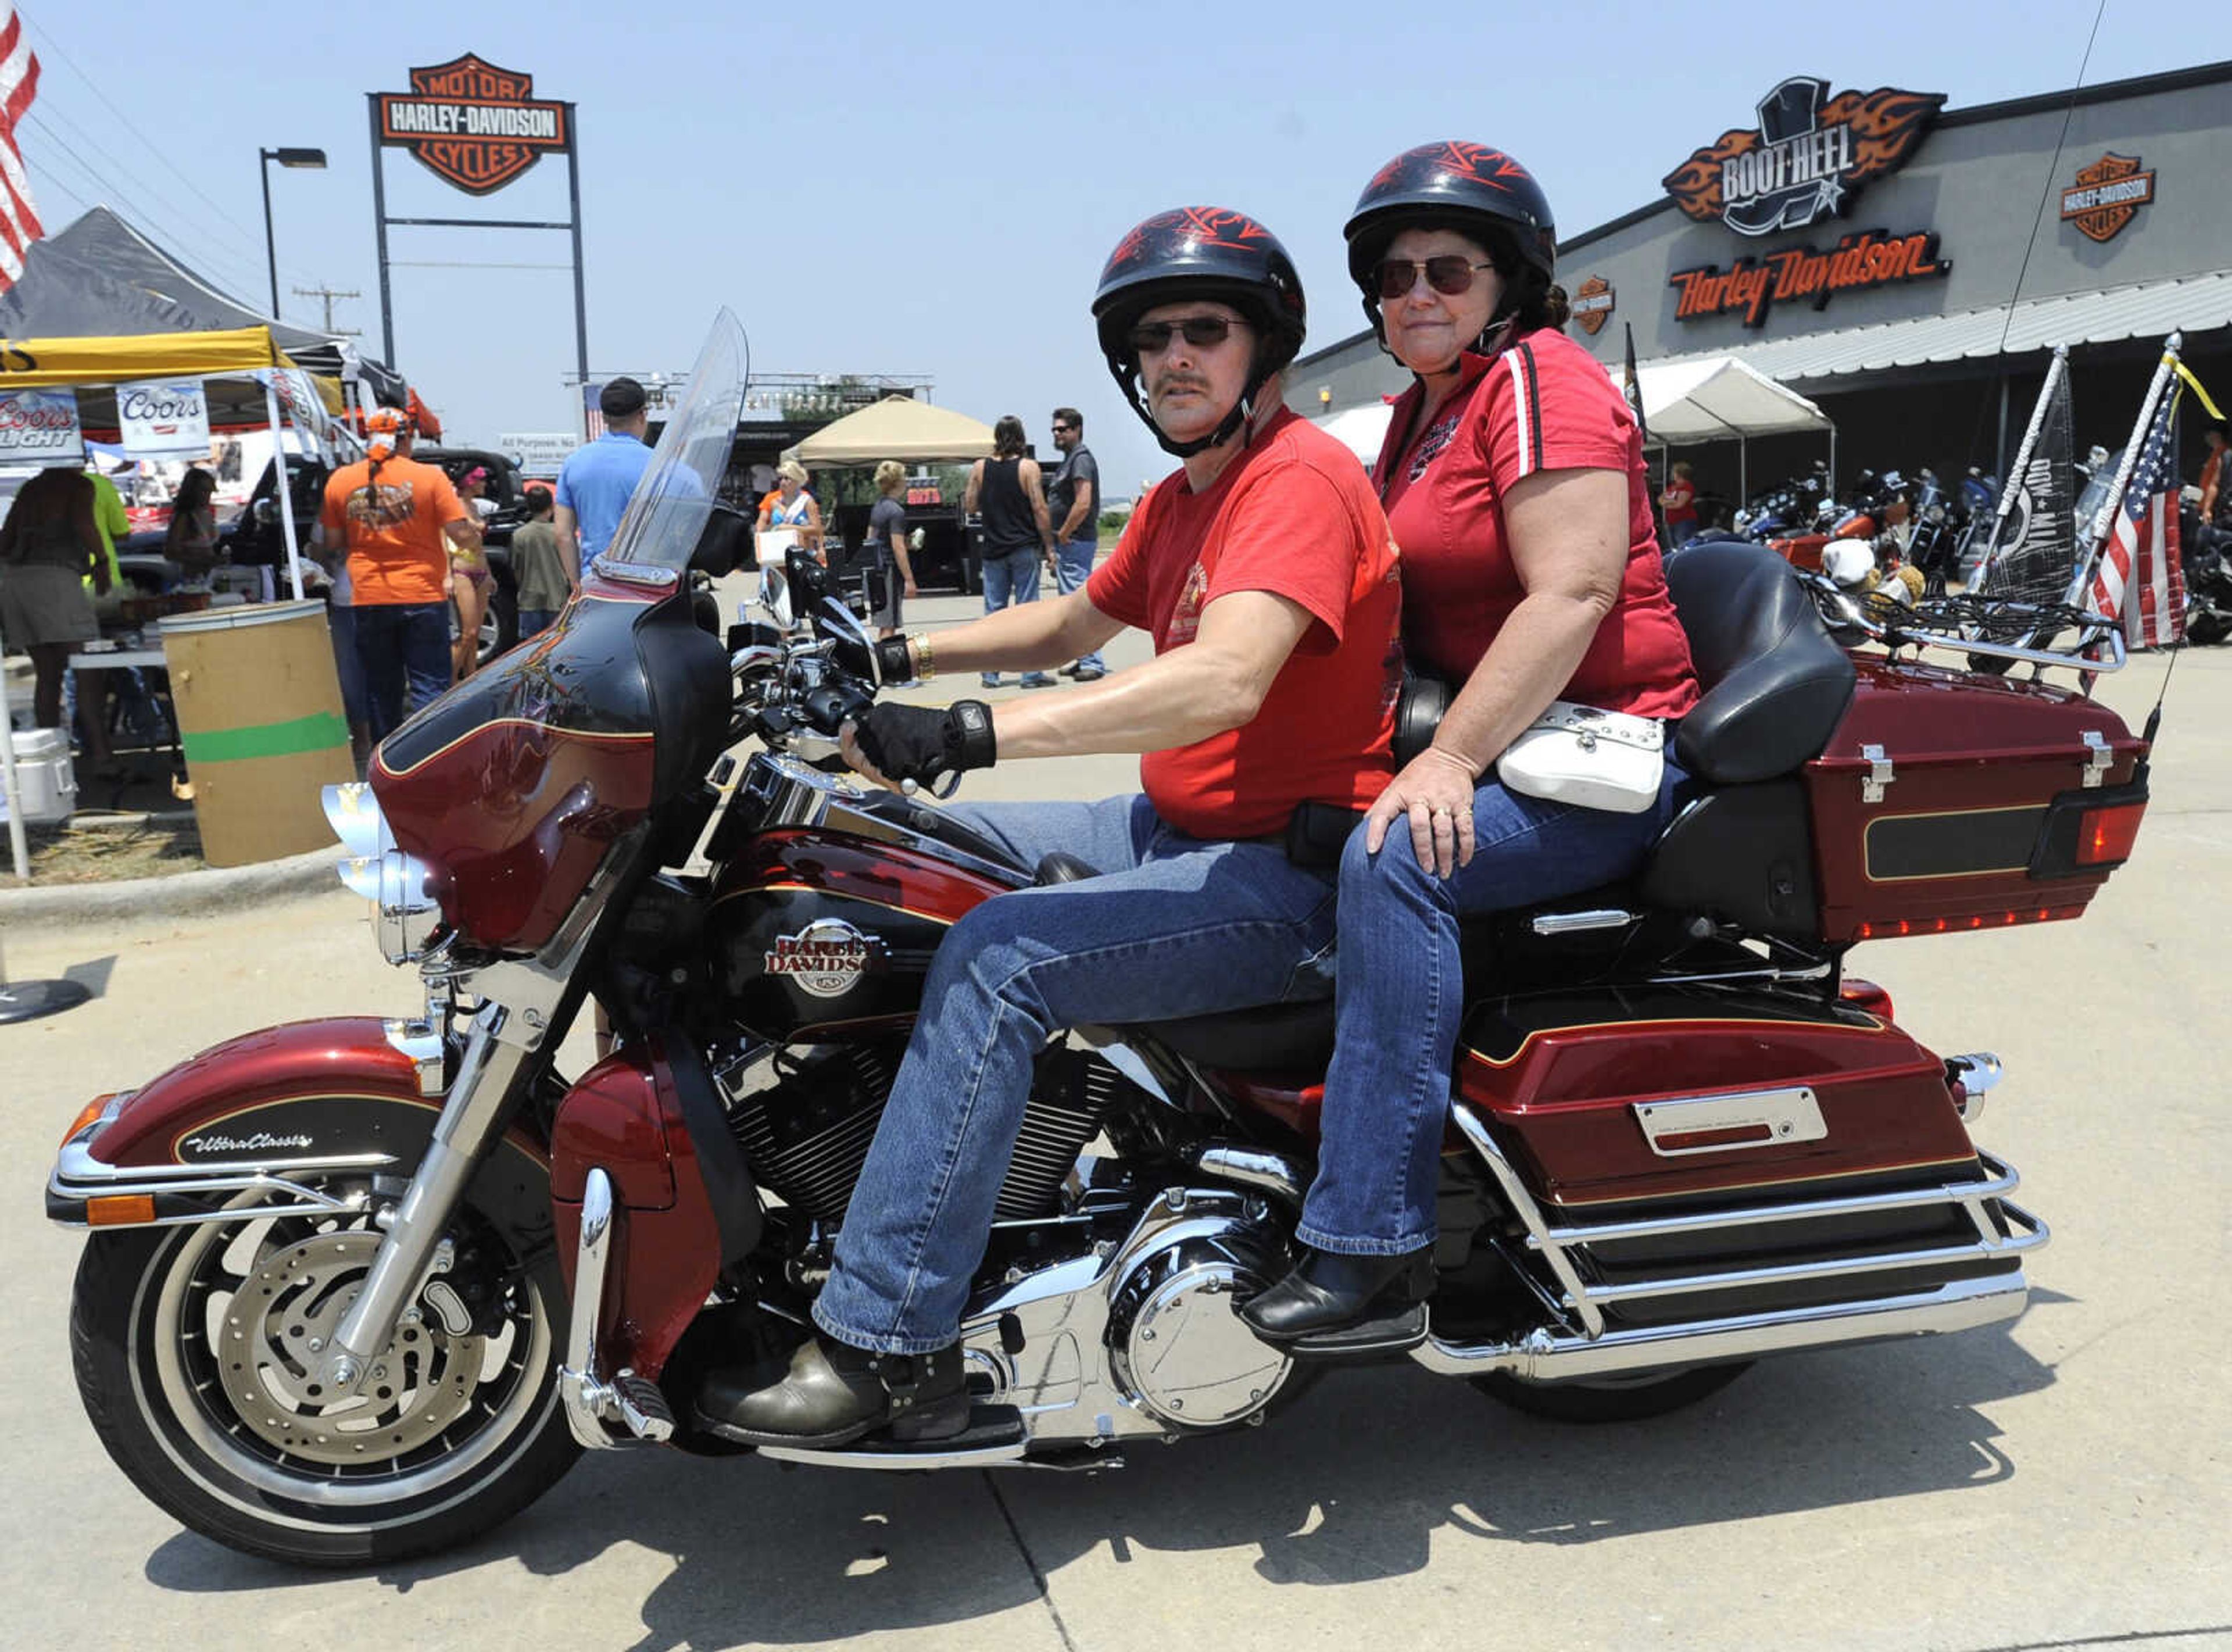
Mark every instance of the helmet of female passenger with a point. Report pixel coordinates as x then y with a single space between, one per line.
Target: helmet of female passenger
1191 252
1481 193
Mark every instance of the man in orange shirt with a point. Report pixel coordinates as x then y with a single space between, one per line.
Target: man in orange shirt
396 519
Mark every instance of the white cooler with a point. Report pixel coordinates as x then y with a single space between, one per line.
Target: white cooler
43 776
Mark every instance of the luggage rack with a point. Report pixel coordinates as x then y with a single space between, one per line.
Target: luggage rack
1979 626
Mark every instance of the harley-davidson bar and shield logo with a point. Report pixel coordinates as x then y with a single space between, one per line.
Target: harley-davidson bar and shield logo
1806 161
825 957
1592 304
472 123
2108 195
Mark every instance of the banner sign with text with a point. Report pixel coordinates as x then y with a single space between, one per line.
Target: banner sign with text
41 427
538 453
1806 161
1752 286
163 418
299 402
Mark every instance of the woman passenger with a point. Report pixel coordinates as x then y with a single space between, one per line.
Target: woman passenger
1514 480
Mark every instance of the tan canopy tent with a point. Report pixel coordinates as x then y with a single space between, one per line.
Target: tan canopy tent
900 428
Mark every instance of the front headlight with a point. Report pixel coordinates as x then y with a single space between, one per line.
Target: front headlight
395 883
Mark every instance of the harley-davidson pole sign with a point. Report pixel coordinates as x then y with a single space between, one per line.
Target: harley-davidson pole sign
471 124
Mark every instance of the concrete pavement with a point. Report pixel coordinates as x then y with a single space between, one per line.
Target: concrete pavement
2062 1484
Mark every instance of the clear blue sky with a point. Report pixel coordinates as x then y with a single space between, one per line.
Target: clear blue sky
878 187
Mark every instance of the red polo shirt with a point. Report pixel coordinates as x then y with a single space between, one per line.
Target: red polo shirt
1294 515
1541 404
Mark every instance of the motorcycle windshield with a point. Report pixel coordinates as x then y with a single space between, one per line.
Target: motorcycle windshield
667 512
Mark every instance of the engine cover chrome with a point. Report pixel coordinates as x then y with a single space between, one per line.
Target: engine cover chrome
1175 1336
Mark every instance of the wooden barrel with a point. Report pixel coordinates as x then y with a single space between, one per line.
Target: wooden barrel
260 720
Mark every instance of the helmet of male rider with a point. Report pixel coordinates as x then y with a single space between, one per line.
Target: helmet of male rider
1480 193
1208 252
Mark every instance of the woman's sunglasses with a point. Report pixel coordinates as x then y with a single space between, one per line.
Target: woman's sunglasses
1450 275
1153 338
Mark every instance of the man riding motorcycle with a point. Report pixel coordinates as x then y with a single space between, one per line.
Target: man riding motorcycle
1264 570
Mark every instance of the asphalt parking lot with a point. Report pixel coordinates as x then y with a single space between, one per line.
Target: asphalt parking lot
2062 1483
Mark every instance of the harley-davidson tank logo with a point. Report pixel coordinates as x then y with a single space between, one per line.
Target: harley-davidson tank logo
471 124
825 958
2108 195
1592 304
1806 161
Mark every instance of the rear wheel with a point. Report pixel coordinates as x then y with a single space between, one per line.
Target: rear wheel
1611 1399
2206 630
198 1353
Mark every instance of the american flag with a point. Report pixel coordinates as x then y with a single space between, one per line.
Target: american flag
593 413
19 84
2139 579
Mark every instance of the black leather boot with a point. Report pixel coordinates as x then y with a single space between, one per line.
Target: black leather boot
1328 1294
834 1393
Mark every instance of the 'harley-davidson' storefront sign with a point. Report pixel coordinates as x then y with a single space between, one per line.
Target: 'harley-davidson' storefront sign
1806 161
1754 285
1592 304
471 124
2108 195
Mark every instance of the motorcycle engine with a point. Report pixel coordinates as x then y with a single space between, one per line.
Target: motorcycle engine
805 1114
1176 1340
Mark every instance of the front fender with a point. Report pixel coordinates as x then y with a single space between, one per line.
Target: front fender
277 1111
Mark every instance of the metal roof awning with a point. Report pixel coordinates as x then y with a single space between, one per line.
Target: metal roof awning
2191 304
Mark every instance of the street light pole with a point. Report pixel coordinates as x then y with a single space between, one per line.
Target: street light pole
302 159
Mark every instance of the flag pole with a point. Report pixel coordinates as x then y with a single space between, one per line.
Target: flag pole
2164 372
2055 371
11 787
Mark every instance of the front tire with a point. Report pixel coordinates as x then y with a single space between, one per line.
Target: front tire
192 1347
1612 1399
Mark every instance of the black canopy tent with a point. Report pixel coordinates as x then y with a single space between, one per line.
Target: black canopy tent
100 277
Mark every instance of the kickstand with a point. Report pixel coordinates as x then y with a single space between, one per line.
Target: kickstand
26 1000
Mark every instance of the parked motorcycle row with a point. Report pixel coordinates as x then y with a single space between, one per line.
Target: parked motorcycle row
354 1289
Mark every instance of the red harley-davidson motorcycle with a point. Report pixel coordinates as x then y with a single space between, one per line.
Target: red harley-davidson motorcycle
359 1288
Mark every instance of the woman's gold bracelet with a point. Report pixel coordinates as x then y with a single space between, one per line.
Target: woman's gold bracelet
924 668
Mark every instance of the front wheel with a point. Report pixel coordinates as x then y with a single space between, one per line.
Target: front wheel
197 1350
1611 1399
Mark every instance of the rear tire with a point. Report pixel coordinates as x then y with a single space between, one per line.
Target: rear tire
2206 630
170 1328
1612 1400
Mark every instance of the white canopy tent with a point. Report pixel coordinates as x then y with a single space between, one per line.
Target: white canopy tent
1360 430
1720 399
897 427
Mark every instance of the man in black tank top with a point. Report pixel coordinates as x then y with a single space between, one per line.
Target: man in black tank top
1006 493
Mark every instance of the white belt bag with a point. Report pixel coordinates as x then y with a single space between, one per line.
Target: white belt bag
1594 758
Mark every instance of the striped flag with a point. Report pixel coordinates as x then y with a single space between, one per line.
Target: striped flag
592 412
19 84
2139 579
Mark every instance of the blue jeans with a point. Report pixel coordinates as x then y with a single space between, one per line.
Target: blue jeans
1399 997
1012 579
402 645
1070 573
1176 926
533 622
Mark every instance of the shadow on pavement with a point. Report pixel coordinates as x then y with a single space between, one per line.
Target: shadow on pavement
1348 1485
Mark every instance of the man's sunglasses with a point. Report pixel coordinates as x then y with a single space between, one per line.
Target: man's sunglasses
1153 338
1064 429
1450 275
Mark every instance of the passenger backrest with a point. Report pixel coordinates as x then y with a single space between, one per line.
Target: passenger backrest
1775 683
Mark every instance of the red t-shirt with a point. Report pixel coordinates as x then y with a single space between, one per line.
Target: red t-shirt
1680 499
1541 404
1295 517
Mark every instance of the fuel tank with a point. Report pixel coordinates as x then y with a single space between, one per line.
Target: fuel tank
820 932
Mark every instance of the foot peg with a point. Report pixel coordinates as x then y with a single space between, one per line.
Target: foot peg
1384 1337
643 1409
595 1406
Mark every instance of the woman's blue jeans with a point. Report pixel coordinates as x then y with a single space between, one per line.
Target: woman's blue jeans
1399 997
1176 926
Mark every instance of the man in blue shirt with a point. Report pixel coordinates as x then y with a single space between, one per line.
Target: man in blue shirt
595 483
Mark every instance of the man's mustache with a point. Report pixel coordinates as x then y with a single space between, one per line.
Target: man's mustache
1178 381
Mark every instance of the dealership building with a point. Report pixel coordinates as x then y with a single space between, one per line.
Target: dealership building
1889 259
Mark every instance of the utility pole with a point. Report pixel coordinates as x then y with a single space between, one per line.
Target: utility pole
329 293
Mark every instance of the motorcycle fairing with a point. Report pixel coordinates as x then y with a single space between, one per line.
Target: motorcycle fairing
516 785
303 1099
628 1116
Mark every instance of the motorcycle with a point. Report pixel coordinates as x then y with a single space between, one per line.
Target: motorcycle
354 1289
2207 563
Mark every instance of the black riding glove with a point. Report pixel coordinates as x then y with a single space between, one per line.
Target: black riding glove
893 662
921 743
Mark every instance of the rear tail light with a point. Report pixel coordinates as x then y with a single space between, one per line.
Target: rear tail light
1886 928
2105 836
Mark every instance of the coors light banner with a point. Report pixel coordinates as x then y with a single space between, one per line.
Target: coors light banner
163 418
40 427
